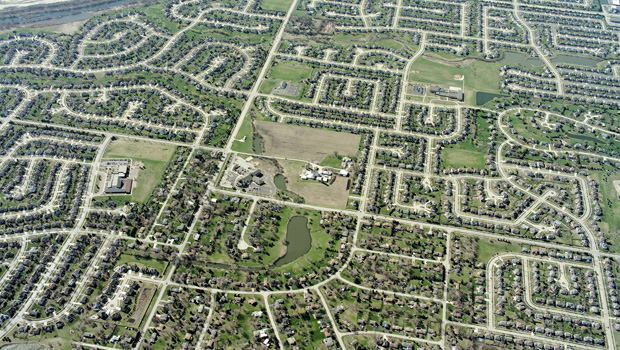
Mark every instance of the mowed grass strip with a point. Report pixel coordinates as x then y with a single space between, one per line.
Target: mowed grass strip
154 156
303 143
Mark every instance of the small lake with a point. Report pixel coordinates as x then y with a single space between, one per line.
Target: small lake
576 60
298 240
484 97
280 182
521 59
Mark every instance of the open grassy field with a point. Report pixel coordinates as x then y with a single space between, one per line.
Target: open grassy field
303 143
276 5
153 155
267 85
469 153
289 71
478 76
610 205
244 131
488 248
313 192
457 158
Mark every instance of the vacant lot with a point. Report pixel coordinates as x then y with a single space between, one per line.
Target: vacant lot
152 155
314 192
144 300
457 158
276 5
290 71
302 143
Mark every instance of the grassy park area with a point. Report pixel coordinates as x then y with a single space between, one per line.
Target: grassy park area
471 152
276 5
290 71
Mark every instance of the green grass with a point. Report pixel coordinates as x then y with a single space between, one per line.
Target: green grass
244 131
154 156
290 71
486 249
456 158
471 152
479 76
128 259
610 206
332 161
267 85
157 15
276 5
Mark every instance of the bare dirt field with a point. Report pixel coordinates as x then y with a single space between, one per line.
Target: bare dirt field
303 143
69 28
314 192
143 302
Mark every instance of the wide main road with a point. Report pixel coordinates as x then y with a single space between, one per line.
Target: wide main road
261 76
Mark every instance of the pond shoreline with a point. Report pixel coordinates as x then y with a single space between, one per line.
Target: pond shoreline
298 240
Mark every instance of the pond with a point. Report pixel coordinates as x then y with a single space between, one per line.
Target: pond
520 59
484 97
257 143
298 240
577 60
280 182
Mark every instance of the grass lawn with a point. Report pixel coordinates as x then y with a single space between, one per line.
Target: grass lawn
244 131
289 71
153 155
276 5
456 158
128 259
267 85
471 152
486 249
610 206
332 161
479 76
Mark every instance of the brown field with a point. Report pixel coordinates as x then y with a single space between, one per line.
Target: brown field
143 302
304 143
315 193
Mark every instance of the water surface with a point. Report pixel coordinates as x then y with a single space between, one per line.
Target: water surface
298 240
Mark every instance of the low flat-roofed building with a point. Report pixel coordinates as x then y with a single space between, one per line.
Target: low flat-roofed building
119 183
